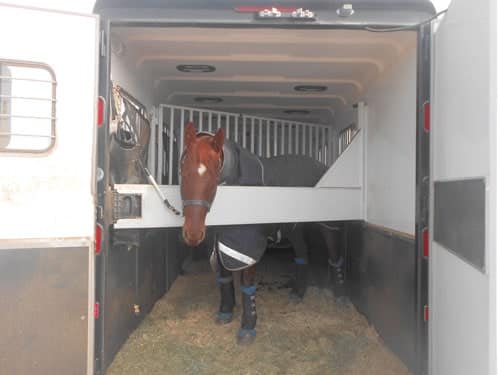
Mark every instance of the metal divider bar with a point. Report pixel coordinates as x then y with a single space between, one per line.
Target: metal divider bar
171 147
279 137
310 131
181 146
282 149
261 145
316 144
244 132
252 136
268 139
297 127
303 139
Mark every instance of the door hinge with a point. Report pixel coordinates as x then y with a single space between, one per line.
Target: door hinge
102 43
99 213
426 313
126 206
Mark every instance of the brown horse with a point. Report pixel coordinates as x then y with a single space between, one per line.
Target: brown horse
208 160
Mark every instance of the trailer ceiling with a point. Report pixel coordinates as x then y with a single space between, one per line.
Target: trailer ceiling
257 71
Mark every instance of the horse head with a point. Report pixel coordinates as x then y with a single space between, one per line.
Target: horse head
200 169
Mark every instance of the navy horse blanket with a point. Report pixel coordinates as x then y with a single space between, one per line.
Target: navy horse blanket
241 246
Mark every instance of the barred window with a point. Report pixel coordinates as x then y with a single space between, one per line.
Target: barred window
27 107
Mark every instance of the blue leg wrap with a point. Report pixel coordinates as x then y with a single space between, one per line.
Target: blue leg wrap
244 332
300 261
249 290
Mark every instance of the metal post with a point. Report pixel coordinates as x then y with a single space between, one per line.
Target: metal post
323 144
283 138
310 131
244 131
316 144
260 139
181 145
171 148
275 140
297 150
252 136
268 139
303 139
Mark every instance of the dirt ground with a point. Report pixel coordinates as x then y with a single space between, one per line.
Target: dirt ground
317 336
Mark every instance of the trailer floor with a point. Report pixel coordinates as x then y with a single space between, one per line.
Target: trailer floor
317 336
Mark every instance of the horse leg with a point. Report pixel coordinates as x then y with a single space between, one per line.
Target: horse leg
295 235
226 286
247 333
336 262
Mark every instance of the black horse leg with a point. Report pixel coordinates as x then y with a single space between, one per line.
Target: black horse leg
247 332
336 262
295 234
226 286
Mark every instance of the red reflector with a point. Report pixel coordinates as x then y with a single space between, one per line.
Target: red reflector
98 238
100 111
425 242
426 313
427 116
96 310
255 9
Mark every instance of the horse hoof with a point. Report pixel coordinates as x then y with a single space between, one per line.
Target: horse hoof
246 336
224 317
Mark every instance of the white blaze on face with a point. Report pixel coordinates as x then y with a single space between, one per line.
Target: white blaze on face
202 169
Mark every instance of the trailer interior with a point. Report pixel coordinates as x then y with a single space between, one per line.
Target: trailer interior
333 77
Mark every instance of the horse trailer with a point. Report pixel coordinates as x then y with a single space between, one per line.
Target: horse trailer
397 101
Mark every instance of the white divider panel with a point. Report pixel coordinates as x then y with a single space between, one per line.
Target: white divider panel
348 168
263 136
260 205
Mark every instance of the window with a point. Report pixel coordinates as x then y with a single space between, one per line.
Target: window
27 107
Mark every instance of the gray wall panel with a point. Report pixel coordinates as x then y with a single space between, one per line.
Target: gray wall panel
44 306
459 218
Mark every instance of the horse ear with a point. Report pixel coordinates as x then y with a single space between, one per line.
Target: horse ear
219 138
189 134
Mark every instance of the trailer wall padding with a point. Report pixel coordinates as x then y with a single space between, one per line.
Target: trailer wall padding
138 274
382 280
391 141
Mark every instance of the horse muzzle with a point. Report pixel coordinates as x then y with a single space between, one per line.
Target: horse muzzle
193 238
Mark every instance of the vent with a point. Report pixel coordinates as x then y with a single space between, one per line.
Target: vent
310 88
208 100
196 68
297 112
